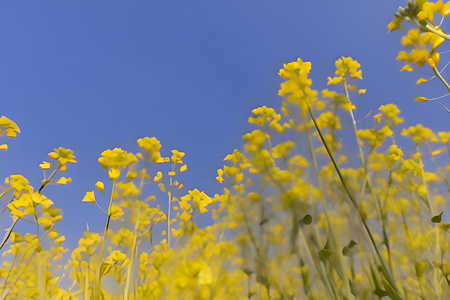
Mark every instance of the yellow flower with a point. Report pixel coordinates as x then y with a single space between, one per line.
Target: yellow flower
199 199
116 158
177 157
64 180
445 137
420 99
406 68
63 156
128 189
419 134
100 186
266 115
254 140
151 146
390 113
394 25
296 89
158 177
89 197
424 49
375 137
328 119
45 165
114 174
429 8
283 150
421 80
219 176
8 126
116 211
347 66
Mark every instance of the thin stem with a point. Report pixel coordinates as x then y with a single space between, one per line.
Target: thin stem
169 193
438 75
355 204
103 238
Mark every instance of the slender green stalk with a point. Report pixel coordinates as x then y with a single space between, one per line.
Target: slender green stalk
385 269
99 276
437 237
41 282
334 238
367 182
438 75
130 266
134 246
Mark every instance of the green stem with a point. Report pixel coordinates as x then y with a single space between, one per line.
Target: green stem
355 204
103 240
438 75
127 284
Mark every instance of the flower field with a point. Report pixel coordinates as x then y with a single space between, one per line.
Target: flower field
310 208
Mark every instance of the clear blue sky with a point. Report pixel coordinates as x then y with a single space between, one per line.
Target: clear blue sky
94 75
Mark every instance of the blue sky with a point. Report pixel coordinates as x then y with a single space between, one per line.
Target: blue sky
94 75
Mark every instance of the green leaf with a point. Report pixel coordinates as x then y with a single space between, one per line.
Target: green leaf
390 290
380 293
326 252
346 249
420 267
445 226
352 287
264 221
105 268
437 218
307 220
352 244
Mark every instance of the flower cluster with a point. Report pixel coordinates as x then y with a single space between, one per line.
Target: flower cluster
424 40
312 206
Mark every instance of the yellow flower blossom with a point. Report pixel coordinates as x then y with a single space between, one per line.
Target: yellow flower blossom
151 146
444 136
116 158
328 119
395 25
421 80
116 211
254 140
390 113
114 174
296 88
420 99
283 150
419 134
63 155
429 8
64 180
374 137
158 177
100 186
219 176
89 197
45 165
177 157
200 200
345 66
128 189
8 127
